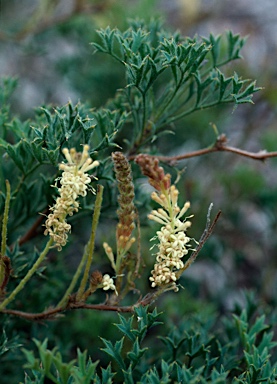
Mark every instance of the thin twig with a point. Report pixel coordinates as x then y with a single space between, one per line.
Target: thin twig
53 312
50 313
206 234
219 146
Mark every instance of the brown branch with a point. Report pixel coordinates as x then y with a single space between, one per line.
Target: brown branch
54 312
49 313
219 146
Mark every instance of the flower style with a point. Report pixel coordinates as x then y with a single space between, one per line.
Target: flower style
173 241
74 183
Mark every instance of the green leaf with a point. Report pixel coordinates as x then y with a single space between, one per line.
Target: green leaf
32 362
215 47
7 345
107 375
46 355
85 371
258 326
235 44
219 377
136 353
115 351
188 375
223 85
126 327
267 342
153 377
245 96
39 378
128 376
108 38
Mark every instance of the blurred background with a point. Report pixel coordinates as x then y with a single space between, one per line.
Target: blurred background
46 45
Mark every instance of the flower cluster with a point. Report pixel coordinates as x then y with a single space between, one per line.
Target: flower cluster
97 280
173 241
108 283
74 183
156 176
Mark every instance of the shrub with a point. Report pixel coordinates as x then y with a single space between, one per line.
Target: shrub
58 255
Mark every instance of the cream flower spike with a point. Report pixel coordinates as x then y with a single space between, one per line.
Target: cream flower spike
173 242
74 183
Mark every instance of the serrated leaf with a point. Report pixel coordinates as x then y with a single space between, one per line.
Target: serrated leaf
128 375
3 143
223 85
125 327
267 342
8 344
215 47
114 351
219 377
32 362
235 44
136 353
258 326
107 375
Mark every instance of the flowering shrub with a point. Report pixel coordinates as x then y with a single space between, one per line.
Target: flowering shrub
168 77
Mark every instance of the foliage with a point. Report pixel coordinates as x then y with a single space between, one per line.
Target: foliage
236 349
190 67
